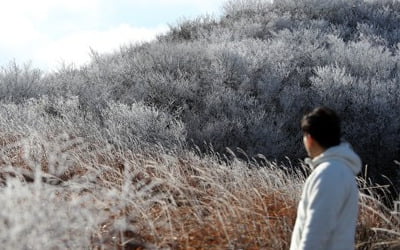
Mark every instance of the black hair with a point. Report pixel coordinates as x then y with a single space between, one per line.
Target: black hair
323 124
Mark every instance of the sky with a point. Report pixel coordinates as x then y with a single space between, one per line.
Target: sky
49 33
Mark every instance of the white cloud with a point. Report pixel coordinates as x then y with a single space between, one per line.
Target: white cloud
204 6
21 24
39 10
48 32
201 4
75 48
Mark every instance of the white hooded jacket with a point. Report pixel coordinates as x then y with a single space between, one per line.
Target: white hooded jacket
328 209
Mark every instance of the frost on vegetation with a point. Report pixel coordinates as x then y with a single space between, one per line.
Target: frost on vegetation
240 81
35 216
58 193
137 123
19 83
63 193
133 126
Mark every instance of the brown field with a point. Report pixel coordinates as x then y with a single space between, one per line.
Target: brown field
177 201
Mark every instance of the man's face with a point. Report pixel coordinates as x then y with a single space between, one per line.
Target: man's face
312 146
307 143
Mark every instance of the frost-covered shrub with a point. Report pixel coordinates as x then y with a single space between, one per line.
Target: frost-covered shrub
237 8
18 83
227 120
129 127
353 56
44 115
187 30
137 125
38 216
368 110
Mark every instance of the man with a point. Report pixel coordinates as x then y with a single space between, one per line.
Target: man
328 209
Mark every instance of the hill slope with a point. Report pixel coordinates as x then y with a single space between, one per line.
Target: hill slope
245 79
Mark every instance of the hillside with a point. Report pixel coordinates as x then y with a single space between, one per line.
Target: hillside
193 140
244 80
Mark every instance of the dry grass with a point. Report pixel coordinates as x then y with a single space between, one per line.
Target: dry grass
174 201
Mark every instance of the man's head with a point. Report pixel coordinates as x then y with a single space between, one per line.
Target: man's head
321 129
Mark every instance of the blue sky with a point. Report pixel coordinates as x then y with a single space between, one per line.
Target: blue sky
50 32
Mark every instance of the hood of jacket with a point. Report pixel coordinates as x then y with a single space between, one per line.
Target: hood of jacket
342 152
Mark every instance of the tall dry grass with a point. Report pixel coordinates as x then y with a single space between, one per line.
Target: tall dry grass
63 193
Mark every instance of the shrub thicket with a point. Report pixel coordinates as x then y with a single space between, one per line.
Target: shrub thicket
243 80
